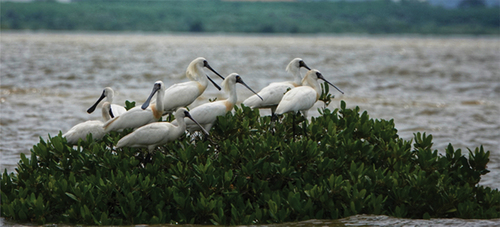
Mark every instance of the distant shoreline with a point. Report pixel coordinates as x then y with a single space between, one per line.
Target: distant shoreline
278 35
318 17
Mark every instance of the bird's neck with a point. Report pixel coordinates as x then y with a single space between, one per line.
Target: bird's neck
202 79
109 98
232 98
159 103
197 74
105 112
181 125
297 78
308 81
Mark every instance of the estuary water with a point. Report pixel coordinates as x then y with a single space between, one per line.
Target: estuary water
445 86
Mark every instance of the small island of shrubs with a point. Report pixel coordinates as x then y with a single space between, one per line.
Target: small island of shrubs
339 164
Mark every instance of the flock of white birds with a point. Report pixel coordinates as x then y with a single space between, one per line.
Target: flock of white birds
281 97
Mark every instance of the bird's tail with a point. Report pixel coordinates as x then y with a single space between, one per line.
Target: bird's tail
122 142
252 101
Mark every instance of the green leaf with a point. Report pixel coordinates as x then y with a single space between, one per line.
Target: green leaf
73 197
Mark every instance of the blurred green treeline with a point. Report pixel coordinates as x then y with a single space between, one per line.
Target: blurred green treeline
372 17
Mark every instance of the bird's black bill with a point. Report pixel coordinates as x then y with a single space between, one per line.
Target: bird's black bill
239 80
155 89
92 108
303 64
209 67
338 89
187 114
213 82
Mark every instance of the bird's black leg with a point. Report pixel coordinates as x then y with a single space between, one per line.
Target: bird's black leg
304 125
274 118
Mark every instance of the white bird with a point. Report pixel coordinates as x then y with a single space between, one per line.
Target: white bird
206 114
139 116
183 94
108 93
157 133
273 93
302 98
94 127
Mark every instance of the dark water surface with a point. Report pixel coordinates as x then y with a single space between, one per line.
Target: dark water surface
447 87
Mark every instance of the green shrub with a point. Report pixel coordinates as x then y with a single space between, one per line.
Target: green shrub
341 164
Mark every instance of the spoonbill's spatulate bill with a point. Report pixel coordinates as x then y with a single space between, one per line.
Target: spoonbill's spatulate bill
302 98
108 93
158 133
94 127
139 116
206 114
273 93
183 94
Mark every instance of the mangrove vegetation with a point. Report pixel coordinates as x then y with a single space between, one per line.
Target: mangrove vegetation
248 171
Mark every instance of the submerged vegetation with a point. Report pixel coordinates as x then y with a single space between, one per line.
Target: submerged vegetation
371 17
339 164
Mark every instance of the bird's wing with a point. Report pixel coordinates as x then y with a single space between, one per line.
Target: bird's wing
81 130
207 113
299 98
181 95
271 95
117 110
133 118
150 134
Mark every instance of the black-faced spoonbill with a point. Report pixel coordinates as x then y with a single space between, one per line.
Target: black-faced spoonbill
273 93
183 94
302 98
157 133
206 114
108 93
139 116
94 127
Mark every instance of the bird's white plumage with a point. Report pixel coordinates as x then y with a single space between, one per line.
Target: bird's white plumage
94 127
116 109
155 134
301 98
108 93
273 93
137 117
206 114
81 130
297 99
183 94
133 118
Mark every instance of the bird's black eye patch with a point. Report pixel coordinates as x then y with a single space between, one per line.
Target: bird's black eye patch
318 74
205 63
238 79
